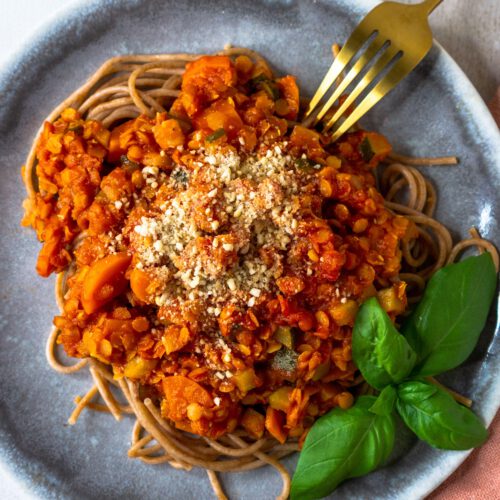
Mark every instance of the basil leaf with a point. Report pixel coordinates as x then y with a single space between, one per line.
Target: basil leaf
435 417
380 352
384 405
340 445
446 324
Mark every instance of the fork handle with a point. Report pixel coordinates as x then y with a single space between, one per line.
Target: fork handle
430 5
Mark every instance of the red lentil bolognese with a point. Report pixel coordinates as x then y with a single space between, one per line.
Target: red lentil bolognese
211 253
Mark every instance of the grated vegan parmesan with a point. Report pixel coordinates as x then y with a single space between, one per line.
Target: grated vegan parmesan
248 208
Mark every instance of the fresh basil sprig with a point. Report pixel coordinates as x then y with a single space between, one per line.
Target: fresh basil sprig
445 326
435 417
384 404
440 334
381 353
340 445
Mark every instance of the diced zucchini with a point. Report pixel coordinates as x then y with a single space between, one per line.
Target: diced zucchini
283 335
138 367
321 370
246 380
280 399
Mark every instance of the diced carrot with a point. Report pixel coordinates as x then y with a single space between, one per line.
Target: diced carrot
290 285
221 115
180 392
280 399
168 134
138 367
219 70
204 81
290 93
70 114
49 252
307 140
104 281
274 423
116 149
175 338
253 422
302 136
379 145
139 282
344 314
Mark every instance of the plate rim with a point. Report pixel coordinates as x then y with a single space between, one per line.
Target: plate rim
21 479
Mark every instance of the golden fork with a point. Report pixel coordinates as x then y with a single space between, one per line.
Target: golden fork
388 43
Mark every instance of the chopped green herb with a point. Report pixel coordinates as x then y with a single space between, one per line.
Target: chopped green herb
77 129
180 176
305 164
270 89
129 164
258 79
365 148
285 360
216 135
262 82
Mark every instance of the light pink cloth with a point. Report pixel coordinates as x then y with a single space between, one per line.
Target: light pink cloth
478 478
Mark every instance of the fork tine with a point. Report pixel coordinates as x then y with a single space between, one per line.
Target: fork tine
351 47
365 58
373 72
393 77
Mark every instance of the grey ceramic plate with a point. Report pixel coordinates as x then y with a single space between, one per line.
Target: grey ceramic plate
435 111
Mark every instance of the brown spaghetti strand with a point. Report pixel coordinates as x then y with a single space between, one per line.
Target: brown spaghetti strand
216 486
410 160
456 396
54 363
81 405
105 393
103 408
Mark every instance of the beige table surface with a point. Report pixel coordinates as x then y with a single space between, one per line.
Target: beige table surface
470 31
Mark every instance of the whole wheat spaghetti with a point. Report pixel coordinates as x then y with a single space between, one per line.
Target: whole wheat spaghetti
153 92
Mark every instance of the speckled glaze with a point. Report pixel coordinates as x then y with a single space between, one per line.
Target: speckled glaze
435 111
